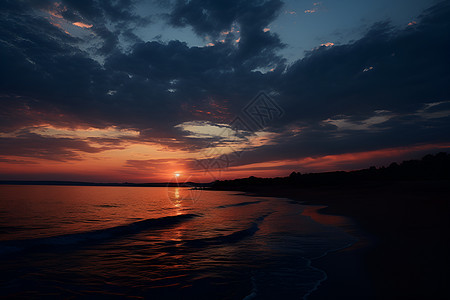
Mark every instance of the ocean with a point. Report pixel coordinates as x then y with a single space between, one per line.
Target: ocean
158 243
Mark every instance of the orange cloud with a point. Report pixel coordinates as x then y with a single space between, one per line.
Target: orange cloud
327 44
82 25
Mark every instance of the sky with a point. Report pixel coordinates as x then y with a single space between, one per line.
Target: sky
138 91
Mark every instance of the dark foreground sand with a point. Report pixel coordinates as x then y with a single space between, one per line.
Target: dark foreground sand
404 233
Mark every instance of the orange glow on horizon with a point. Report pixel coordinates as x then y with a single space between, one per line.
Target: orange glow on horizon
136 163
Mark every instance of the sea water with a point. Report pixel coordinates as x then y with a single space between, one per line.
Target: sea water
158 243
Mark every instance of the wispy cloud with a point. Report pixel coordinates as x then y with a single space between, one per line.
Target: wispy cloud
316 8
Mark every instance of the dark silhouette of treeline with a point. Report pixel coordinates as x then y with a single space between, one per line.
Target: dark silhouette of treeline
430 167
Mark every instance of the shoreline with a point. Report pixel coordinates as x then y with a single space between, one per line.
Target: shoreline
350 258
403 228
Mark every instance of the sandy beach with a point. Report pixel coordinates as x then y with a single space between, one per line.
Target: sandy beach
404 238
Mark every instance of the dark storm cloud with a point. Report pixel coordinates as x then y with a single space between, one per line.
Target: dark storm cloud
115 11
46 78
109 20
208 17
119 15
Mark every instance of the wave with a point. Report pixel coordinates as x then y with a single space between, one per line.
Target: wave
228 238
223 239
239 204
108 205
93 236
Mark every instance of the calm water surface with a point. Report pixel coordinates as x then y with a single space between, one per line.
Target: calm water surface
158 243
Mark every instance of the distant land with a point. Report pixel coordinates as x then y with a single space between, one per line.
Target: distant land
430 167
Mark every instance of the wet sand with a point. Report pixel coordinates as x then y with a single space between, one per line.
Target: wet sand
404 238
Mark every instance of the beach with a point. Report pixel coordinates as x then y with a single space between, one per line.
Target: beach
403 230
